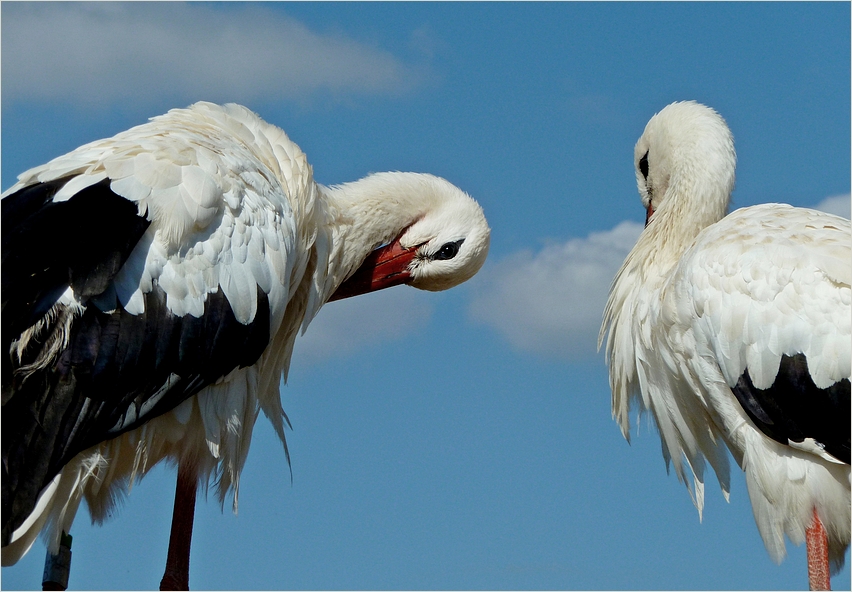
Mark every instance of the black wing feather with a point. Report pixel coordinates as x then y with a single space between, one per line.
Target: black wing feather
793 408
47 246
115 362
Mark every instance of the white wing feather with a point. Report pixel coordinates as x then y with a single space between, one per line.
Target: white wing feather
766 281
213 192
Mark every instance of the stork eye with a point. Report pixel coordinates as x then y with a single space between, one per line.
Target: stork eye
643 165
448 251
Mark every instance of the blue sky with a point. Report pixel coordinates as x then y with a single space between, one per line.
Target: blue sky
459 440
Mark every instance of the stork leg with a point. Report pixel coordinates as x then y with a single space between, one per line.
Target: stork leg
180 540
819 575
57 567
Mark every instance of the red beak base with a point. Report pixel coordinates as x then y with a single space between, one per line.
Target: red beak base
648 214
385 267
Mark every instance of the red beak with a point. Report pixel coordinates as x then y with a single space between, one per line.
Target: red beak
385 267
648 214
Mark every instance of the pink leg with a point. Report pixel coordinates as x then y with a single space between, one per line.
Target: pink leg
819 575
177 562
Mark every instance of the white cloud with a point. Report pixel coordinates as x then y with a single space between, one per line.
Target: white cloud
551 302
345 326
102 53
839 205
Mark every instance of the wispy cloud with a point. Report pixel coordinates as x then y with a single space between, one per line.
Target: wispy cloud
102 53
839 205
349 325
551 302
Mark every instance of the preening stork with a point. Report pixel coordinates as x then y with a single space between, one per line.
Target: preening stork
736 331
153 285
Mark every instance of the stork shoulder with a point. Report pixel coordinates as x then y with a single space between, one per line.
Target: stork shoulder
768 281
228 198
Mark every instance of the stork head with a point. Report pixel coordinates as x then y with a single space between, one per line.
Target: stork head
685 153
444 240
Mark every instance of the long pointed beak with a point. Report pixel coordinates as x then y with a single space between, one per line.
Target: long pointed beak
385 267
649 212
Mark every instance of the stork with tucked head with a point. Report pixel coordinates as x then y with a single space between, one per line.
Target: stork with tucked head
153 285
736 331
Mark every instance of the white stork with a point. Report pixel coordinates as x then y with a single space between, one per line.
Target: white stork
734 331
153 285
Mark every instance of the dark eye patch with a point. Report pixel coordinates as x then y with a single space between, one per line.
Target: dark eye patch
448 251
643 165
